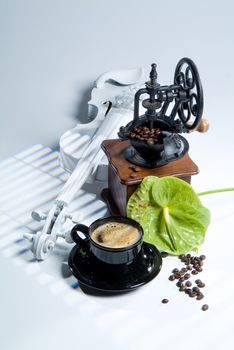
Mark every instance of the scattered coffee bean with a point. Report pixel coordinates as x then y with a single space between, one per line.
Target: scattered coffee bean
188 290
188 284
198 281
182 288
202 257
164 254
205 307
194 265
184 269
200 296
171 278
165 301
179 284
196 289
175 270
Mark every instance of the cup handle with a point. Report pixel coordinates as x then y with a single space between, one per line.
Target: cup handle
84 242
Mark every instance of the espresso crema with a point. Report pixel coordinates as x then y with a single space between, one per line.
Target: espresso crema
115 235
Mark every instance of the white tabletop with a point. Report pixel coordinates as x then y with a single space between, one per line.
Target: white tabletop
41 304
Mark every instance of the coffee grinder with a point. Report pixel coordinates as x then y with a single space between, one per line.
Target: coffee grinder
151 144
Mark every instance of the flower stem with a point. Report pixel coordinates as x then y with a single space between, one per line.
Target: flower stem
216 191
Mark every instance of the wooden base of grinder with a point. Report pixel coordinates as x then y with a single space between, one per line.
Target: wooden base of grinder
124 177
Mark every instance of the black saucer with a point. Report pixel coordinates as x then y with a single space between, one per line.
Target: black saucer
96 277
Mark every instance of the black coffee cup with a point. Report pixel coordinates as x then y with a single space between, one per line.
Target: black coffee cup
109 255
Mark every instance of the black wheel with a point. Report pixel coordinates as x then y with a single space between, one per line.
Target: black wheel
191 108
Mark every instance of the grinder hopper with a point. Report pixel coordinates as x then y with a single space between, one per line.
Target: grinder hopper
155 136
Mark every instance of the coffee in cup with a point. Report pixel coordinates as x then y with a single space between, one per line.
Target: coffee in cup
113 240
116 235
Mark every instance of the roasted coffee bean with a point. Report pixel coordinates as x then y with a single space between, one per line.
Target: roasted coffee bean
171 278
165 301
205 307
188 284
183 270
143 133
201 285
175 270
188 290
164 254
187 276
196 289
199 269
182 256
198 281
193 264
200 296
182 288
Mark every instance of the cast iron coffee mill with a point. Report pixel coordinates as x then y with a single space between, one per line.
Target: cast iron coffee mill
151 144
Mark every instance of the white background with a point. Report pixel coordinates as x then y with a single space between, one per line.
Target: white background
51 52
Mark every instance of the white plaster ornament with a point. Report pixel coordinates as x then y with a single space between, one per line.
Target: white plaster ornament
81 153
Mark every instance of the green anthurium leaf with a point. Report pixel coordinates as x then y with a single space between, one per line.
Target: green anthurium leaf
171 214
141 198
